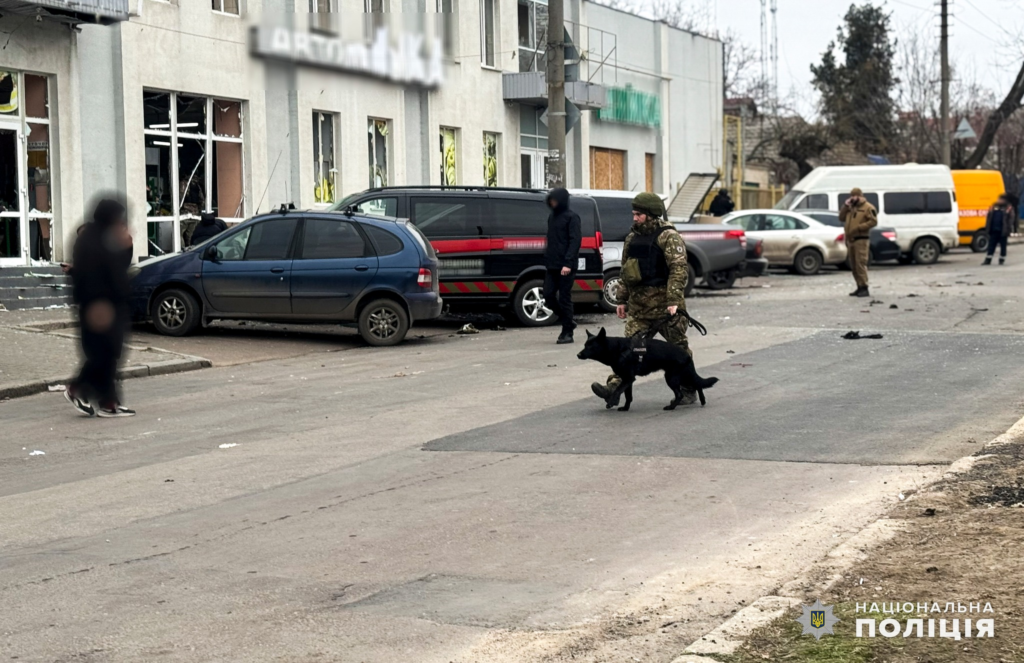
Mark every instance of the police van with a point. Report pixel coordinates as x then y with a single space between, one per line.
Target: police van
918 201
490 243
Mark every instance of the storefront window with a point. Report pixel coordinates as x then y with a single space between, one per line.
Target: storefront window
193 165
378 131
490 159
325 174
26 215
449 157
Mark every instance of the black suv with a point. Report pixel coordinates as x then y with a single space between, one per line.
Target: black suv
490 243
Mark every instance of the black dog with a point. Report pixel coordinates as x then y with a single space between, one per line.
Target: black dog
618 353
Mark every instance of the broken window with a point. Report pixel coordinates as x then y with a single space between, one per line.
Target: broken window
449 157
320 15
194 164
378 131
324 171
8 92
532 21
490 159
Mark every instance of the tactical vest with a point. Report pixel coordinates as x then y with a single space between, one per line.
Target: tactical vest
650 258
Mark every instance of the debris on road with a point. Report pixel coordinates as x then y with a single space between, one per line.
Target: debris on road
856 336
468 328
228 445
57 387
875 302
37 452
741 365
893 306
730 352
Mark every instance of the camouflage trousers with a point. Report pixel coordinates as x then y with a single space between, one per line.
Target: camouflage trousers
673 332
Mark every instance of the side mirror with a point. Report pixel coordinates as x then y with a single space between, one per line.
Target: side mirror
210 253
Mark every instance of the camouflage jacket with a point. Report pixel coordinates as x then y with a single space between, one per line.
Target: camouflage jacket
672 294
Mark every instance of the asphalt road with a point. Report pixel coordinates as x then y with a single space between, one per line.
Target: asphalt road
462 498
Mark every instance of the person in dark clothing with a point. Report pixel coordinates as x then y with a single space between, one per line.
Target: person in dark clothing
561 258
999 225
102 255
721 204
209 226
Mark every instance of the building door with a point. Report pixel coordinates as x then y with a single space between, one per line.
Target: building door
534 168
607 169
649 172
13 209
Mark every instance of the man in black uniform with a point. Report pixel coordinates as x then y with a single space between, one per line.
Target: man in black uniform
561 259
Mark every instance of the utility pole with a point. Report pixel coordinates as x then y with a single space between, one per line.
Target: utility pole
555 167
944 110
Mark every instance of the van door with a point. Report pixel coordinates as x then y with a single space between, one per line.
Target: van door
456 226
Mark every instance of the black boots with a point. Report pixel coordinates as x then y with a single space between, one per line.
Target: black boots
861 291
988 261
566 335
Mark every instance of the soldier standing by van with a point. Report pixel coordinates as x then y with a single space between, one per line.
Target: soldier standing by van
858 217
999 225
653 282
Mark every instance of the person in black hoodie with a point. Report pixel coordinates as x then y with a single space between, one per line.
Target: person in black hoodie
209 226
561 259
102 255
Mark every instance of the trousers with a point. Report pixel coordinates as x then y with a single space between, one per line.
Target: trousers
558 295
859 253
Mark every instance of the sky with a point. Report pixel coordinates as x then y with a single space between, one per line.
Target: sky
982 35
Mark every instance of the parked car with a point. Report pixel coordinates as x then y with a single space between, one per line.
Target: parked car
883 240
290 266
918 201
976 191
791 239
755 264
715 253
490 243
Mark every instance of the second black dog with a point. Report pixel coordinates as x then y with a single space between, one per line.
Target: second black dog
680 373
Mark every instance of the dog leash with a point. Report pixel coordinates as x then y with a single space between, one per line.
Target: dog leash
638 343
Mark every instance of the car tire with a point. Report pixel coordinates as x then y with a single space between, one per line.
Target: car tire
528 305
722 279
611 279
383 322
691 279
926 251
807 262
979 243
176 312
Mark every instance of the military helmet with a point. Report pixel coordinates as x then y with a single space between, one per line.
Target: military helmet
649 203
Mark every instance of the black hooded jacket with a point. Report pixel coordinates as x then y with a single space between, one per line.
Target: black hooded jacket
100 262
209 226
564 232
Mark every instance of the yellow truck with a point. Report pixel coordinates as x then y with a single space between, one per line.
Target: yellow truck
976 192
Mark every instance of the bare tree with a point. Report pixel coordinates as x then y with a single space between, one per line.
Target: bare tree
742 74
1011 104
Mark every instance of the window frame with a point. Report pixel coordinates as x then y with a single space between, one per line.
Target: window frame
289 253
318 160
902 212
448 28
454 133
210 139
222 11
373 131
489 50
299 250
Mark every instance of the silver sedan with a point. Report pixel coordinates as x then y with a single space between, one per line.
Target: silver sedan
792 239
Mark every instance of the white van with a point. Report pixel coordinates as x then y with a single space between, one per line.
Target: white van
918 201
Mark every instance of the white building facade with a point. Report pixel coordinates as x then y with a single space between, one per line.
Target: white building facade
238 106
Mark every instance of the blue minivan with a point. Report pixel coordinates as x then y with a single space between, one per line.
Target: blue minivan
295 266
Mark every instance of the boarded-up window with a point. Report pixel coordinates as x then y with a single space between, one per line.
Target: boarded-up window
649 172
607 168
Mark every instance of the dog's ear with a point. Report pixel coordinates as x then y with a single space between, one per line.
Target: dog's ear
589 335
602 333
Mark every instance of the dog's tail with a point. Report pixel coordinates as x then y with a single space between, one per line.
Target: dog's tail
706 383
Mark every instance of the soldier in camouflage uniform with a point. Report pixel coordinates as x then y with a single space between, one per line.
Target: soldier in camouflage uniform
652 281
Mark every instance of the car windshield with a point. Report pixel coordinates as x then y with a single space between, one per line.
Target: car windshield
788 199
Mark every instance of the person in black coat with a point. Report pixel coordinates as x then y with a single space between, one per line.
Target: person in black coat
721 204
102 254
561 257
209 226
999 226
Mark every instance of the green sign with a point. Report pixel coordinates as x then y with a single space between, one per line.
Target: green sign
629 106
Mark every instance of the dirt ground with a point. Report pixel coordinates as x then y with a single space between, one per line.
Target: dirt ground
962 543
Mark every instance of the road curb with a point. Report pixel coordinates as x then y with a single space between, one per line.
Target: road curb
182 365
729 636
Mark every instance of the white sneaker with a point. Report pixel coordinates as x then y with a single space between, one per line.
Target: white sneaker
79 404
118 411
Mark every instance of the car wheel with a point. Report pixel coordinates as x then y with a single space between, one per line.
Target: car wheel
529 307
611 282
691 280
979 243
926 251
175 313
721 280
383 322
807 262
